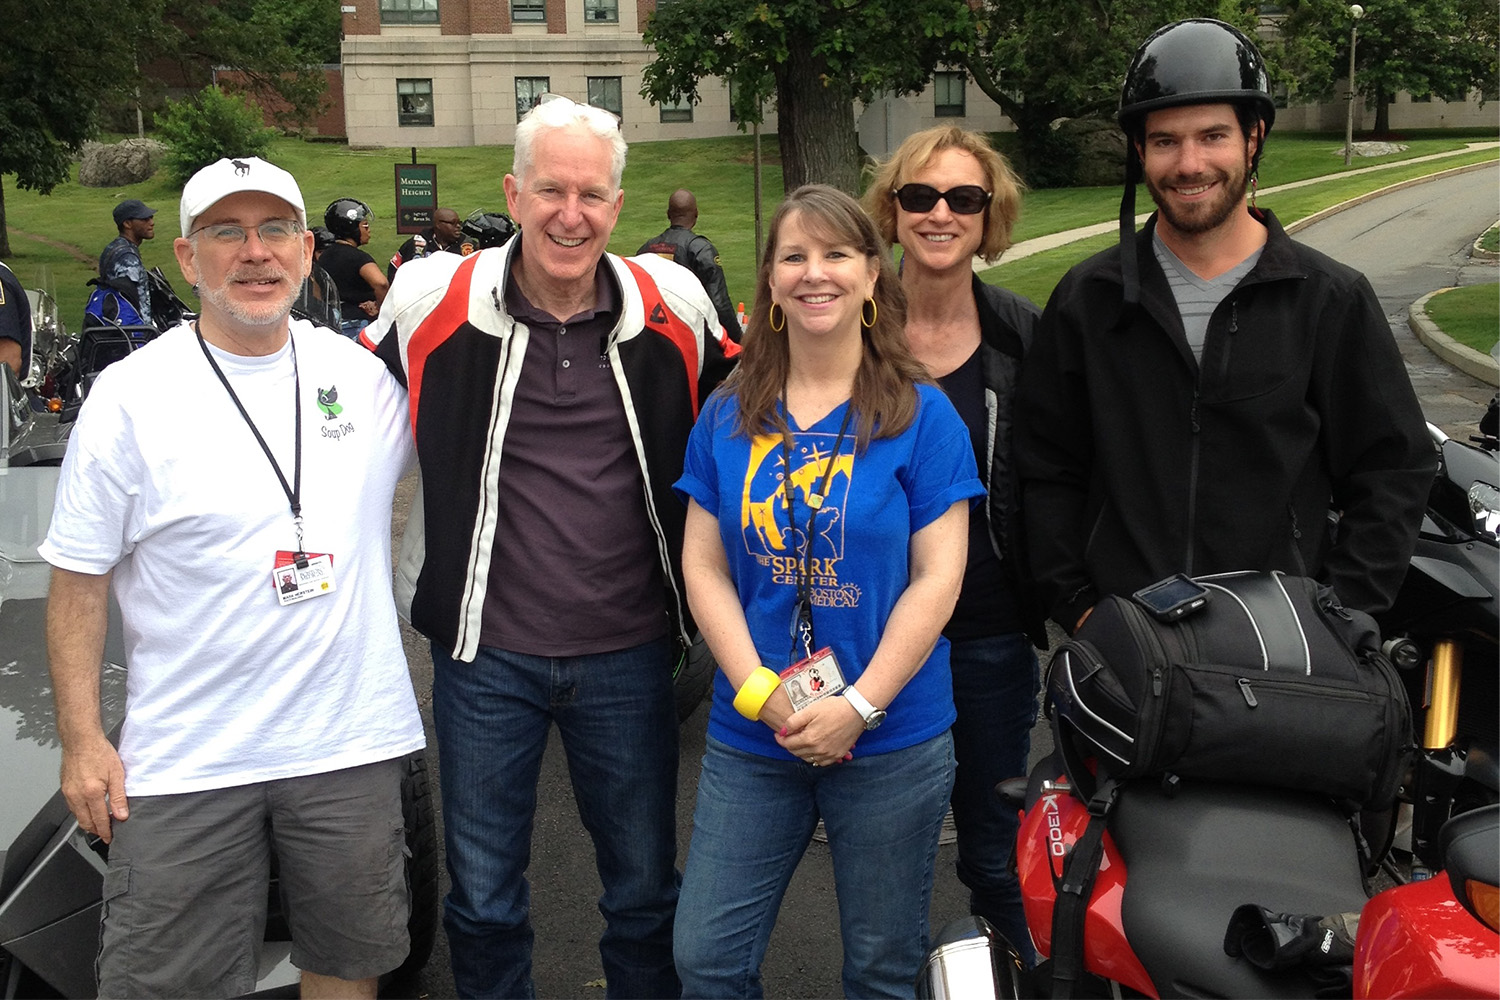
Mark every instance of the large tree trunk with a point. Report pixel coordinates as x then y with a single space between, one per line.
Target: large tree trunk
815 124
4 231
1382 114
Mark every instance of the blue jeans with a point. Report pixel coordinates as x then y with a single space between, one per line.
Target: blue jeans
995 686
352 327
754 819
616 715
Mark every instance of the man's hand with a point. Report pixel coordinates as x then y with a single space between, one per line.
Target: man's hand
93 782
370 308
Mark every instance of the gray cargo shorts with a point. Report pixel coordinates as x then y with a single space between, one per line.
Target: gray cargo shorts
186 891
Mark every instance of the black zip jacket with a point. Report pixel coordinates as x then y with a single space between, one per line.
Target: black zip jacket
1298 444
1006 324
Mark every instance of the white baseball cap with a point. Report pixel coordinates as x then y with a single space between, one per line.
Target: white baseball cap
231 176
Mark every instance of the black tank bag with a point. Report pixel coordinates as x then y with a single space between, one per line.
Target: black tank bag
1271 682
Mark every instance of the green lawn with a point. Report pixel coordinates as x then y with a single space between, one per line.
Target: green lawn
1470 315
1490 240
56 239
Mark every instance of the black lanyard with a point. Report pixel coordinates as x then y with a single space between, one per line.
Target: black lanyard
802 623
294 491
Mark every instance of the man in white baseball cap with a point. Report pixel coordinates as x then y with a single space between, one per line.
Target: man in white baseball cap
209 482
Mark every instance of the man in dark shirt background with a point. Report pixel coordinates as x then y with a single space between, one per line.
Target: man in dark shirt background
683 246
442 235
15 323
121 259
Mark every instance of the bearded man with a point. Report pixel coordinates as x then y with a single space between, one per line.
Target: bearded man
1210 395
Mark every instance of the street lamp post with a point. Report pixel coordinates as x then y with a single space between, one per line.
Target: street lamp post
1355 12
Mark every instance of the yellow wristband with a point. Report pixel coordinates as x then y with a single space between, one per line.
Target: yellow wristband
755 692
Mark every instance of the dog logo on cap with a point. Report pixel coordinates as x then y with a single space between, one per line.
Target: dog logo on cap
241 168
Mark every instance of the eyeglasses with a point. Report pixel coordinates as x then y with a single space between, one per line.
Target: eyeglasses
966 199
275 233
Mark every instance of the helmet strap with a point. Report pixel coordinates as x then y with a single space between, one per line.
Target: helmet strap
1129 266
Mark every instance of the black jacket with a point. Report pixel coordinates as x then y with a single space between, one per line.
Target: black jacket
681 245
1137 463
1006 324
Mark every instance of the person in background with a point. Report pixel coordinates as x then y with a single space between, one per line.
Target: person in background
252 709
1209 395
828 487
443 236
553 386
946 196
683 246
361 285
120 262
15 323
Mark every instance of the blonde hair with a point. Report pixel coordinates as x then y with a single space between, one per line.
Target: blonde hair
917 151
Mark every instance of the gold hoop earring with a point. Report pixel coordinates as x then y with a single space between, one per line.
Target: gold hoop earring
874 313
771 318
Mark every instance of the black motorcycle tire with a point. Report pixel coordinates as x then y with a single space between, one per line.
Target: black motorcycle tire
695 675
421 868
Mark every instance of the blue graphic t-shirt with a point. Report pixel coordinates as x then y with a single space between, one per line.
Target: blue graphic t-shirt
859 560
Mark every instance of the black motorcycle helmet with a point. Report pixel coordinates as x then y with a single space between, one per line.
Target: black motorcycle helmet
344 216
482 230
1197 61
323 238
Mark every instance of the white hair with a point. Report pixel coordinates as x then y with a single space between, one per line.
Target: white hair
555 112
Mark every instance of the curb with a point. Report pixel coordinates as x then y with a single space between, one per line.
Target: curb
1480 252
1460 356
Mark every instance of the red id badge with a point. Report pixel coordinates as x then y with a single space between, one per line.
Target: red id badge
302 583
812 679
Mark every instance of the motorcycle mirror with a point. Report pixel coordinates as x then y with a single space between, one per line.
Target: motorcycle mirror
1471 853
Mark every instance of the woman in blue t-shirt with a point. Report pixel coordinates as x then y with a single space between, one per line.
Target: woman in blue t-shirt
828 487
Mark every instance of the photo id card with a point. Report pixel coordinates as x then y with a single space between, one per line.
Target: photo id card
812 679
301 583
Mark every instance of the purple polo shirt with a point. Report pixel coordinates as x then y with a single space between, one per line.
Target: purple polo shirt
575 568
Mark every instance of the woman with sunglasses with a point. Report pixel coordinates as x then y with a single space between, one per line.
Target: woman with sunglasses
946 196
828 485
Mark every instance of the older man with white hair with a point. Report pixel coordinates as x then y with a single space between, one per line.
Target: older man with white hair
210 481
553 386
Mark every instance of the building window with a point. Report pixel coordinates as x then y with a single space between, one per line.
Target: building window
948 95
601 11
414 102
677 111
528 10
408 11
529 91
604 92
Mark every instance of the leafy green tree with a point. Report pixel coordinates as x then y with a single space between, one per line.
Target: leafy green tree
279 45
814 57
208 127
61 62
1439 48
1041 60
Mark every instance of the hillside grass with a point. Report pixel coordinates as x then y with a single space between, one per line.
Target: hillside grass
56 239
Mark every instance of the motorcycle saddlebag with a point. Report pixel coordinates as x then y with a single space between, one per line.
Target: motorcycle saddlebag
1272 682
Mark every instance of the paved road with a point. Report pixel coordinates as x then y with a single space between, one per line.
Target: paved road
1386 238
1412 242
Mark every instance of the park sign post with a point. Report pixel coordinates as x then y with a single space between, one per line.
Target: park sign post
416 196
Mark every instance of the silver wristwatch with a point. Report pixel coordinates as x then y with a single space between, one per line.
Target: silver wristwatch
873 716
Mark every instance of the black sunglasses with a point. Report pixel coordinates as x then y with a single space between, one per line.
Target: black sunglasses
966 199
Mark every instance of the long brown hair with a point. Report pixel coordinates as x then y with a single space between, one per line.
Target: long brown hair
885 395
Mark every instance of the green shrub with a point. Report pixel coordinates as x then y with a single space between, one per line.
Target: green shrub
208 127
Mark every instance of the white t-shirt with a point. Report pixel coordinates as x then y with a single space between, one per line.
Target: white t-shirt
164 483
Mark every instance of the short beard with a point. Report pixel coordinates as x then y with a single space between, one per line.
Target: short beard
1210 216
264 314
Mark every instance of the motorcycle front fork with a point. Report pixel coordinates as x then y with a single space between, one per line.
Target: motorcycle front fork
1439 767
